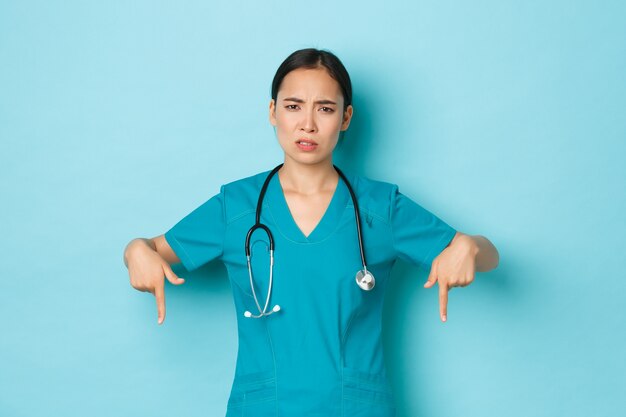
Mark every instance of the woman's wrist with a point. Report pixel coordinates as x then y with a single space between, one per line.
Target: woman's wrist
135 245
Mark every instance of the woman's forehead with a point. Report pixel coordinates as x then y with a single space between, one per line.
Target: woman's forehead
306 82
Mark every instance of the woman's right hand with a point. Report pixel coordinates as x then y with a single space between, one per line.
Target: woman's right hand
147 269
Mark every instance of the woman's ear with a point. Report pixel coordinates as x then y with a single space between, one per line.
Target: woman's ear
272 112
347 116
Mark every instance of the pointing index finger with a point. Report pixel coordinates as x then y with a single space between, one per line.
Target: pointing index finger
443 300
159 293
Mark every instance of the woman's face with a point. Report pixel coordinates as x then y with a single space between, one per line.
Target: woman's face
308 116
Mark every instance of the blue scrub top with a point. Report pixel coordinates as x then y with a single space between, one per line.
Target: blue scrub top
321 355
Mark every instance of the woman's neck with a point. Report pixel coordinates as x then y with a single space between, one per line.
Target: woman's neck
308 179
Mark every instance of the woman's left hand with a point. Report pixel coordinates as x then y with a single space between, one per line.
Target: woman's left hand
455 266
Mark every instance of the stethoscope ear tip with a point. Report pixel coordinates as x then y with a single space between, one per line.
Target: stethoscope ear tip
276 308
247 314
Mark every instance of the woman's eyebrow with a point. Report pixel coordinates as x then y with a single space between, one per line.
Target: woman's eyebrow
299 100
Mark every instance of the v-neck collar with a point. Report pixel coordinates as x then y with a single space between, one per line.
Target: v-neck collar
277 203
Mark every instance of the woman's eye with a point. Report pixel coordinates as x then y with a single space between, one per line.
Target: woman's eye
291 106
327 110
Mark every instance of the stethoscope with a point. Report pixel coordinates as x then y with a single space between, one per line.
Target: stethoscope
364 278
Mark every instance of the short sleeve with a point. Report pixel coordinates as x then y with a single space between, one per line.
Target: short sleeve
418 235
198 237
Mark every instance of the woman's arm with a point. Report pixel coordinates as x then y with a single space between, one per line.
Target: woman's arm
157 244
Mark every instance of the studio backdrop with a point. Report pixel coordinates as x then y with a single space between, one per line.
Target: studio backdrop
505 119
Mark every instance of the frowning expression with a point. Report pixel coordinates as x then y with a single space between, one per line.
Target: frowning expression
308 115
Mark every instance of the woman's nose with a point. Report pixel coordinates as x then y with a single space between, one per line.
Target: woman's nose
308 122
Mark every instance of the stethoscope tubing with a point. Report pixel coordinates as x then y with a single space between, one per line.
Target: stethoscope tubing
356 214
259 225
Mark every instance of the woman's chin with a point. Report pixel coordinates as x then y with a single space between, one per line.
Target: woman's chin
308 159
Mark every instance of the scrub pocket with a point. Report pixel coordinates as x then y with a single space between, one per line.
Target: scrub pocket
366 395
253 395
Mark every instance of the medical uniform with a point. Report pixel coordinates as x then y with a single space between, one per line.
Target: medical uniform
321 354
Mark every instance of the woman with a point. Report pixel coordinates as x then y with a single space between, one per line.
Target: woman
319 351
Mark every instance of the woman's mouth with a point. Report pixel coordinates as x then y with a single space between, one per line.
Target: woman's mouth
306 144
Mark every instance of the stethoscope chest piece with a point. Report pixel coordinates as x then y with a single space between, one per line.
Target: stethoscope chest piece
365 279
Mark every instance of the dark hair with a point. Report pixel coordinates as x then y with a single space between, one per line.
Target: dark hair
315 58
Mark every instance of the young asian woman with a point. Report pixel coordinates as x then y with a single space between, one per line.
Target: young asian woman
309 335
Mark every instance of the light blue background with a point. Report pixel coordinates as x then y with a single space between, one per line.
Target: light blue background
506 119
